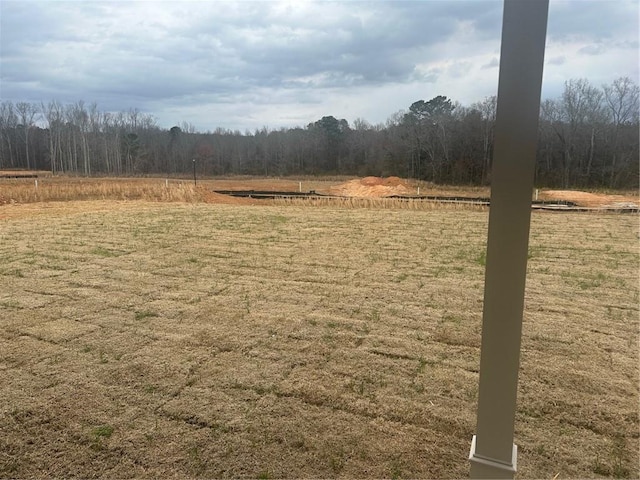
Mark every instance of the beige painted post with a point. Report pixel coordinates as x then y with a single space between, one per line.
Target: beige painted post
524 24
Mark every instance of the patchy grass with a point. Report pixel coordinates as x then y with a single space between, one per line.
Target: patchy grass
142 314
103 431
154 340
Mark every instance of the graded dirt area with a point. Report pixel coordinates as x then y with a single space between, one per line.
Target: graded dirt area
592 200
252 183
153 340
351 187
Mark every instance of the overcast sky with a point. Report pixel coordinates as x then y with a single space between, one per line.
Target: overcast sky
244 65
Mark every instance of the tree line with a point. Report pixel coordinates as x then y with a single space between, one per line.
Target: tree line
588 137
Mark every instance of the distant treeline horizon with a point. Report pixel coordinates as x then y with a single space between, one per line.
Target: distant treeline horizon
588 137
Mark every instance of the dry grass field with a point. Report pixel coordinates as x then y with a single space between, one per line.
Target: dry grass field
192 339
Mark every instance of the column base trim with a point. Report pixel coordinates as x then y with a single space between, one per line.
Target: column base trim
484 467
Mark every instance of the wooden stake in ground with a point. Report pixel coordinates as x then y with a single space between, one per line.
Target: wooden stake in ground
493 454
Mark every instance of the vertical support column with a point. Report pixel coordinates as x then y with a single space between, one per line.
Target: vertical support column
524 25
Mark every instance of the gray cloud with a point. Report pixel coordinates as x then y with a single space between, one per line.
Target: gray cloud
285 60
592 49
592 19
559 60
493 63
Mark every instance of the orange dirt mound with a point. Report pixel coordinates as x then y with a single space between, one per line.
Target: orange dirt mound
372 187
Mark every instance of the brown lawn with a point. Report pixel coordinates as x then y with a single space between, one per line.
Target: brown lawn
152 339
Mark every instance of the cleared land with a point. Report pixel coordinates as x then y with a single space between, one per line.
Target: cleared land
150 339
49 188
63 188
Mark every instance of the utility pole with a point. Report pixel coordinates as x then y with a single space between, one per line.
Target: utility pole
493 453
194 172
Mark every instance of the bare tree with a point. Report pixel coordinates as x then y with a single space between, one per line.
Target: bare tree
8 125
621 99
53 114
27 113
487 109
577 112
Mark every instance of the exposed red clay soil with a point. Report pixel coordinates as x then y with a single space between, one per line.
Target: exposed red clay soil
372 187
592 200
384 187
